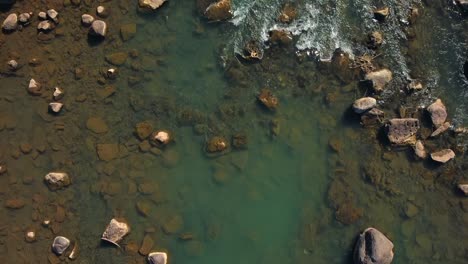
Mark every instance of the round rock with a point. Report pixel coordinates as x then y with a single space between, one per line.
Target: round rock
101 11
363 104
157 258
13 65
53 15
373 247
60 244
57 180
98 28
87 19
24 18
42 15
10 23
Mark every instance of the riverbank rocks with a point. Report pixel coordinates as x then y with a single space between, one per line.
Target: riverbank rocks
160 138
288 13
97 125
24 18
375 40
419 150
219 10
98 29
464 188
402 131
55 107
60 245
115 231
102 11
151 4
252 51
267 99
363 104
10 23
87 19
216 145
57 180
373 247
381 14
438 113
443 156
45 26
379 79
157 258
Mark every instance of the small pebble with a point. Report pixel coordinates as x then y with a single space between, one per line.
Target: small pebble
102 12
30 236
58 93
55 107
13 65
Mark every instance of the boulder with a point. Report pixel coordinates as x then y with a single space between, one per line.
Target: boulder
42 15
438 113
115 231
372 117
443 156
101 11
157 258
13 65
107 152
402 131
363 104
419 150
381 14
219 10
216 144
464 188
151 4
441 129
10 23
97 125
3 168
34 87
375 40
415 85
373 247
146 245
160 138
57 180
55 107
60 244
252 51
58 93
267 99
52 15
45 26
288 13
98 29
24 18
379 79
117 58
143 130
281 37
87 19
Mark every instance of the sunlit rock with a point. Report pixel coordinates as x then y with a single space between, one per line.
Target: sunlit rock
58 93
151 4
55 107
98 28
24 18
52 15
381 14
87 19
101 11
252 51
160 138
361 105
438 113
419 150
379 79
30 236
216 145
157 258
441 129
464 188
373 247
10 23
443 156
45 26
219 10
60 245
13 65
402 131
115 231
57 180
375 40
288 13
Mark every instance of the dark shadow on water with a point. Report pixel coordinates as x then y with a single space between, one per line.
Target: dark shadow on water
5 7
94 40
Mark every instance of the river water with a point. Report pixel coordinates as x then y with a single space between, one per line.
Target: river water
310 178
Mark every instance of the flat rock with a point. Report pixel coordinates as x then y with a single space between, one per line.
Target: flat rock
373 247
443 156
151 4
146 245
87 19
117 58
97 125
107 152
219 10
402 131
157 258
15 203
438 113
363 104
60 244
10 23
379 79
441 129
419 150
57 180
115 231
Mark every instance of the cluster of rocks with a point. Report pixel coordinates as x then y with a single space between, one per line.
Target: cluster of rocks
97 28
35 88
13 21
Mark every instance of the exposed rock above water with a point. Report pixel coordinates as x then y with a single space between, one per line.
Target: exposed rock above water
375 40
288 13
443 156
60 245
151 4
87 19
115 231
373 247
419 150
381 14
281 37
219 10
57 180
52 15
55 107
216 144
102 11
441 129
160 138
363 104
98 28
464 188
34 87
438 113
10 23
402 131
379 79
252 51
45 26
157 258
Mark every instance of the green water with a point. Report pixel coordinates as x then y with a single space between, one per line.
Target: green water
274 202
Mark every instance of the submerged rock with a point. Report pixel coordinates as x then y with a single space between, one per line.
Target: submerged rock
288 13
87 19
157 258
373 247
143 130
375 40
381 14
151 4
107 152
97 125
60 245
438 113
57 180
219 10
372 117
363 104
216 145
252 51
402 131
98 28
443 156
281 37
419 150
128 31
10 23
267 99
117 58
115 231
379 79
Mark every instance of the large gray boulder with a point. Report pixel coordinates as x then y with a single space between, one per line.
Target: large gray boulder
373 247
402 131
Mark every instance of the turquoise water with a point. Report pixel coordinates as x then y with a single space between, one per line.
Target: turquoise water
283 199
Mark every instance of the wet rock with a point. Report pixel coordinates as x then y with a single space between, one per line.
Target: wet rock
288 13
373 247
219 10
107 152
87 19
252 51
58 93
415 85
267 99
117 58
348 214
60 245
172 224
30 236
146 245
42 15
372 117
363 104
24 18
411 210
15 203
55 107
143 130
151 4
144 146
115 231
240 141
160 138
419 150
375 40
281 37
128 31
10 23
464 188
74 253
97 125
443 156
157 258
381 14
441 129
57 180
45 26
216 145
13 65
438 113
98 28
26 148
52 15
341 66
463 4
402 131
34 87
101 11
379 79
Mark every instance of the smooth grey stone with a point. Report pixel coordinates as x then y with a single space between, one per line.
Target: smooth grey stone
60 244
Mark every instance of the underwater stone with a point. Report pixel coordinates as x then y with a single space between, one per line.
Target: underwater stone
97 125
87 19
55 107
3 169
438 113
107 152
379 79
117 58
216 144
402 131
98 28
375 40
220 10
288 13
363 104
10 23
60 244
443 156
267 99
143 130
373 247
128 31
281 37
157 258
146 245
151 4
115 231
57 180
